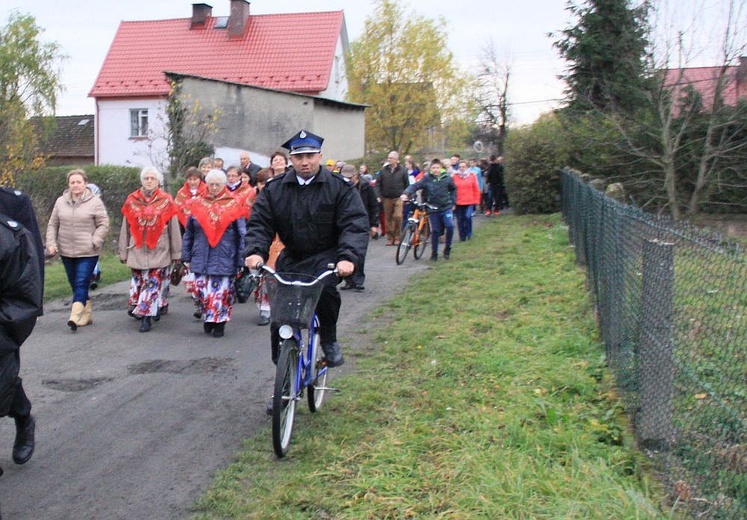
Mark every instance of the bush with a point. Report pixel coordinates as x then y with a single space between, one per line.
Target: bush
534 156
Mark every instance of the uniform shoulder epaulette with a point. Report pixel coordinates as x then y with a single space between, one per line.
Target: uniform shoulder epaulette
11 191
10 223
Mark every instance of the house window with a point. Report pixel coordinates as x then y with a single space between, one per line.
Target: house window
139 122
337 71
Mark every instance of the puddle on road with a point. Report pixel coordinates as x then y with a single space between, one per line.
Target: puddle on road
188 366
75 385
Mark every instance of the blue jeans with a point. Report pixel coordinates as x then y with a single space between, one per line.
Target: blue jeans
79 271
441 221
464 221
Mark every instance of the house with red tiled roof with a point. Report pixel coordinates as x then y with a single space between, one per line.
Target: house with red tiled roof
730 81
261 77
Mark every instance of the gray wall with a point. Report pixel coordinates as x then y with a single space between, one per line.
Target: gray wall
260 120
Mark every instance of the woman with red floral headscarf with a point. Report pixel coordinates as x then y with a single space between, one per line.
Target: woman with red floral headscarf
212 246
149 242
194 188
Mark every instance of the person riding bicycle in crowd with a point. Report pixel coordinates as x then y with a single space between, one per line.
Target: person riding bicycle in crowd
320 219
439 191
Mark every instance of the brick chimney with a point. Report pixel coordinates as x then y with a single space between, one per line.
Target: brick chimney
200 14
238 18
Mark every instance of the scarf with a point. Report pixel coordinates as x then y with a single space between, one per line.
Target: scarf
147 216
215 214
244 195
184 198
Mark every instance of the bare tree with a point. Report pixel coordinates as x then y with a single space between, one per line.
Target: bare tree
690 132
491 97
695 126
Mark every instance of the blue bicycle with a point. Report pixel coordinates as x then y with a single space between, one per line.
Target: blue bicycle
300 364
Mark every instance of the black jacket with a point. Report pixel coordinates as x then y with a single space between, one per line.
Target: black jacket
368 196
391 183
438 191
20 285
17 205
495 174
323 222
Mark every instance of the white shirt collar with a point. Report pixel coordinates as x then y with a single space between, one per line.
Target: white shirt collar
304 182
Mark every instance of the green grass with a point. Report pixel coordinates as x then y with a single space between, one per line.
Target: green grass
55 280
486 397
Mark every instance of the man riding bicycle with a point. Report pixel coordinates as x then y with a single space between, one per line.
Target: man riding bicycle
321 220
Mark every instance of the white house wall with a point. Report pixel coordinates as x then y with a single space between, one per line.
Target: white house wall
114 145
337 88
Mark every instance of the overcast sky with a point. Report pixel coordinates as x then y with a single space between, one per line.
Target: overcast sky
85 28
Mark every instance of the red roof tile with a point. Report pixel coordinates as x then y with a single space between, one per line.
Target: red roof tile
292 52
705 80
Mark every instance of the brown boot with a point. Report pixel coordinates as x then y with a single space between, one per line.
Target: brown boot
75 314
86 317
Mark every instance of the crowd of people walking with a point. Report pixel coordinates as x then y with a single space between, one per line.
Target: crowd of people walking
199 235
296 214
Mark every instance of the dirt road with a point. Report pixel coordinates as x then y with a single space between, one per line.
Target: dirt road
132 425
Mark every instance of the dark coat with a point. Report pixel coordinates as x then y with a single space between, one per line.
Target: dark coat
320 223
222 260
17 205
495 174
438 191
20 285
368 196
391 183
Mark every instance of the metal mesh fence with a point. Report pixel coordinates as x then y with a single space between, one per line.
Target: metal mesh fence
671 302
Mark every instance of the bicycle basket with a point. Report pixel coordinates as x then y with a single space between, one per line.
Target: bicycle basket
293 304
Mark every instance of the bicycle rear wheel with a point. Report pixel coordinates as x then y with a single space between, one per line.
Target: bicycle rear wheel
423 236
319 372
285 397
405 244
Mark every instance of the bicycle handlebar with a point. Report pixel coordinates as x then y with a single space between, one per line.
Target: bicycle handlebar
421 205
331 269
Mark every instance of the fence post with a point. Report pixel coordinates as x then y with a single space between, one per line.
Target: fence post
654 425
614 293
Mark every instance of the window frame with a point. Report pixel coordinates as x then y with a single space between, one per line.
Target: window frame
138 123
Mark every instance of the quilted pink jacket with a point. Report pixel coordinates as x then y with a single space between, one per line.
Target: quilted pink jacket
78 229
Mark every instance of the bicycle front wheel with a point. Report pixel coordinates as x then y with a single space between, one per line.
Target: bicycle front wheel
423 235
319 373
285 397
405 244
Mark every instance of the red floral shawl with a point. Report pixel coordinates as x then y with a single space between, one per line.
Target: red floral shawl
184 200
245 196
148 217
216 214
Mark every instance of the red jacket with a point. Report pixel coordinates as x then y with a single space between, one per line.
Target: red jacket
467 189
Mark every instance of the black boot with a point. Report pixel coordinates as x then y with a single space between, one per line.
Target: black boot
23 448
219 329
332 354
207 327
145 324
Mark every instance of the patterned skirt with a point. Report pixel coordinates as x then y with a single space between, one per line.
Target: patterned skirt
149 290
216 295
